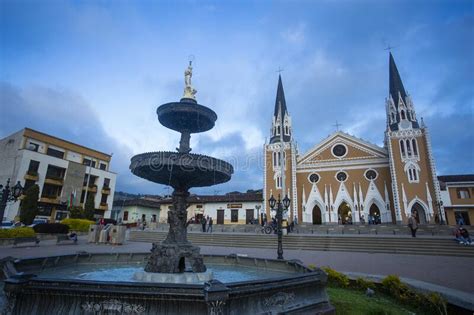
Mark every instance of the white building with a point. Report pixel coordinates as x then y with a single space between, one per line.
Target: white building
64 171
231 208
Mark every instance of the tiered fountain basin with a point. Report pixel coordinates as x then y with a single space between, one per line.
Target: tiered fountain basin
181 169
104 284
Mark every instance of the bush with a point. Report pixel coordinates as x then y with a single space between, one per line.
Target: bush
78 225
51 228
336 278
76 213
433 302
363 284
29 205
17 232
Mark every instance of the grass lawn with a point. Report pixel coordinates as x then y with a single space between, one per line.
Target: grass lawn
352 302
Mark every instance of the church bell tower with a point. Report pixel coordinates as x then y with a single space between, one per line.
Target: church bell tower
280 158
412 168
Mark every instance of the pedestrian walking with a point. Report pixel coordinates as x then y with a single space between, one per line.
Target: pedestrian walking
412 224
209 225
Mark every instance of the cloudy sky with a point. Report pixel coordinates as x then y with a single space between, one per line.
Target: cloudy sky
93 72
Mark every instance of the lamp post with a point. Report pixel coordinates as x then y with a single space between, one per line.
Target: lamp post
9 194
281 205
440 204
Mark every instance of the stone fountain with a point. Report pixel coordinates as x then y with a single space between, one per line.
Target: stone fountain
182 171
173 278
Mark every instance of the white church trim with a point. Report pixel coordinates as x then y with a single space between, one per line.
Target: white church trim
374 196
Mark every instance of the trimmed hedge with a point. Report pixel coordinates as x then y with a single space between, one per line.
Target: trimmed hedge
51 228
78 225
17 232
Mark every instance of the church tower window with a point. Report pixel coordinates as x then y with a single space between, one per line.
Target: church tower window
415 149
278 182
403 114
402 147
412 173
408 148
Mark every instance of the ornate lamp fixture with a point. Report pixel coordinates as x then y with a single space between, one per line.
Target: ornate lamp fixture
280 207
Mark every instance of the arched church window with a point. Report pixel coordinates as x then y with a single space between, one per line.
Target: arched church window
402 147
412 173
278 130
274 159
415 149
408 147
286 130
402 113
393 116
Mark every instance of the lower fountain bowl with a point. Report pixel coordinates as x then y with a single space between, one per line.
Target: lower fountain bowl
181 170
62 285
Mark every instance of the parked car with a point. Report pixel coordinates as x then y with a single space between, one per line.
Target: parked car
38 221
11 224
7 224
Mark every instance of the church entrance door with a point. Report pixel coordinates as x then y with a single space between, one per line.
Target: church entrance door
374 213
317 215
420 213
344 214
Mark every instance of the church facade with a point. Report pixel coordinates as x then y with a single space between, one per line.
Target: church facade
344 179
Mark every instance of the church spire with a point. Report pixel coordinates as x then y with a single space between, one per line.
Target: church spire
280 102
396 85
400 111
280 113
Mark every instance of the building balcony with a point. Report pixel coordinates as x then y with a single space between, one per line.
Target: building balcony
91 188
104 206
105 190
32 175
50 199
54 181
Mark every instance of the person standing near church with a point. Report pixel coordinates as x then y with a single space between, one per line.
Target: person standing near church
203 223
412 224
209 225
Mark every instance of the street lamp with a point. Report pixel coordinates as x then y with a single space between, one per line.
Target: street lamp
9 194
280 207
440 204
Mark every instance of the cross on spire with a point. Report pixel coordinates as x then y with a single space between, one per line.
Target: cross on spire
280 70
389 48
337 125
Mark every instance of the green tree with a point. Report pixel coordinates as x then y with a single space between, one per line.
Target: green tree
76 213
89 207
29 205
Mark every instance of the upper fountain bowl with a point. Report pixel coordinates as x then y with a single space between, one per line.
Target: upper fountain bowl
186 116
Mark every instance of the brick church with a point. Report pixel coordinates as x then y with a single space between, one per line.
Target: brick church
344 179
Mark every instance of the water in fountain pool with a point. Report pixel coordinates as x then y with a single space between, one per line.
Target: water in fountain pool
124 273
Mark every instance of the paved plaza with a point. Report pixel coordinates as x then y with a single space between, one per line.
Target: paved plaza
451 272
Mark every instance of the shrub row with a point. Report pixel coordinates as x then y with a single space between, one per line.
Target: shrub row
17 232
392 286
51 228
78 225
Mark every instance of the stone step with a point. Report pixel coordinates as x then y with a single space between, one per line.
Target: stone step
443 247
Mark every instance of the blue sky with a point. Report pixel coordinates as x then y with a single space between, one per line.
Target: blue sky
93 72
